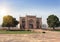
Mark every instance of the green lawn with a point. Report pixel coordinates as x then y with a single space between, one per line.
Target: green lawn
15 32
57 30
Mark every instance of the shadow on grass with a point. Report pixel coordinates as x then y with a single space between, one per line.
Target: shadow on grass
56 30
18 30
52 29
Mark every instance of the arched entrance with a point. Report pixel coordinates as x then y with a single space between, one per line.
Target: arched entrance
31 24
23 24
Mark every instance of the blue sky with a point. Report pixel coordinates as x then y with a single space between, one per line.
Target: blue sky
40 8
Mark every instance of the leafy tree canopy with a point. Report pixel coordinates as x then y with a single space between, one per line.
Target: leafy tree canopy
53 21
9 21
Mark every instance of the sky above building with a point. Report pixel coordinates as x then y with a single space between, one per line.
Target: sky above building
39 8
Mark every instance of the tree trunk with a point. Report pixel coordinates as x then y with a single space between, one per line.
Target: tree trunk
8 28
53 28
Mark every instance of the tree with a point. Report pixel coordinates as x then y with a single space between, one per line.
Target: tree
53 21
9 21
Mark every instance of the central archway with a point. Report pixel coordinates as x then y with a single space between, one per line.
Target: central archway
31 24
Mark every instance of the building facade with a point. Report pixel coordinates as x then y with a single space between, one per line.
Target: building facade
30 22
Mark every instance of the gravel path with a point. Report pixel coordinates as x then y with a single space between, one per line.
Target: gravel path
49 36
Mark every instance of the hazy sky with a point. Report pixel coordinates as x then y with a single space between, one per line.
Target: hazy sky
40 8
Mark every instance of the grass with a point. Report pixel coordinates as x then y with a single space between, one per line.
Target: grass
15 32
57 30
